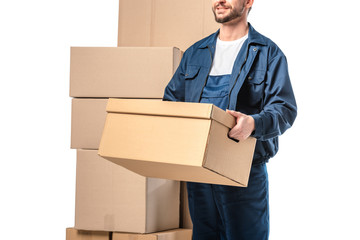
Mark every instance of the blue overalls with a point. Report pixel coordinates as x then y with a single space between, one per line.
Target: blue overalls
226 212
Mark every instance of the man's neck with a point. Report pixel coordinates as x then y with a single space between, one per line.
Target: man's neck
233 30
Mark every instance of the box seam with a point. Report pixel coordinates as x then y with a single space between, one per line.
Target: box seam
152 17
242 185
160 115
146 204
207 143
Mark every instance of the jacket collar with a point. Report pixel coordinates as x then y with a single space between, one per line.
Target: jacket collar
253 37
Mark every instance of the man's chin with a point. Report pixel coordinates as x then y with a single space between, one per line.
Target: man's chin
222 20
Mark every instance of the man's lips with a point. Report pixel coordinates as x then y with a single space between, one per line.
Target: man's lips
221 9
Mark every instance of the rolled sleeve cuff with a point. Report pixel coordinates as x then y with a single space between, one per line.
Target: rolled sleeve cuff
257 133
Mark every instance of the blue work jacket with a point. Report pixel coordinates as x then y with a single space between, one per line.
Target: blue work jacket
259 86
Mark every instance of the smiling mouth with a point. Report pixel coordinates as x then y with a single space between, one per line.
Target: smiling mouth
221 9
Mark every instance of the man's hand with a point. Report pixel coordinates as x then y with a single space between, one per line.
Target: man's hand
245 125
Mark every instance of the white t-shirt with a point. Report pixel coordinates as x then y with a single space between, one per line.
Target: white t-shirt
225 55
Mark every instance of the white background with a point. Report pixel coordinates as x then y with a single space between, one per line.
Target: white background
314 180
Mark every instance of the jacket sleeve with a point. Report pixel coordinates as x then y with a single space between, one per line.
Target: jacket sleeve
175 90
279 105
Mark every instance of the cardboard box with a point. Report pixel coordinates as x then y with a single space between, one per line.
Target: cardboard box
74 234
185 218
112 198
125 72
87 122
176 234
165 22
175 140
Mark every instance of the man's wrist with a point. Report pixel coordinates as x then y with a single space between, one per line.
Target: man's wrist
252 124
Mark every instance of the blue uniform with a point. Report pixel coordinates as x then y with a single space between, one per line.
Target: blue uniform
259 85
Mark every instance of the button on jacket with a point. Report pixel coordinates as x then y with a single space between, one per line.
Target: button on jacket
259 86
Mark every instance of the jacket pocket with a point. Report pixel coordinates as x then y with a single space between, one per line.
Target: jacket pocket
191 72
250 97
256 77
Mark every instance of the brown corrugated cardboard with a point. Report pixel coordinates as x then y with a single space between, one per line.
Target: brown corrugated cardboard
176 234
87 122
175 140
125 72
74 234
185 219
112 198
165 22
189 110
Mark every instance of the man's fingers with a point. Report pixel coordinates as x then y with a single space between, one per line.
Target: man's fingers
233 133
233 113
232 137
239 136
229 111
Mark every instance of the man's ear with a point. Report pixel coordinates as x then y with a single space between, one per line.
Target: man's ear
249 3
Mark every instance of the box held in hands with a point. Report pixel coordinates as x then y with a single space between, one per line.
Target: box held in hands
175 140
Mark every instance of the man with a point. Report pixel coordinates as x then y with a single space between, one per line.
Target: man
239 69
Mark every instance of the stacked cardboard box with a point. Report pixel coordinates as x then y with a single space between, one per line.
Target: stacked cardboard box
150 43
164 23
175 234
123 72
109 197
74 234
112 198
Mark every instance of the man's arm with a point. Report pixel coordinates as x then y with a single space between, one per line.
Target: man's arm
175 90
279 110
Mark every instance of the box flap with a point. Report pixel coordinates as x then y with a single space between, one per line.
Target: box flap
159 108
222 117
173 109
